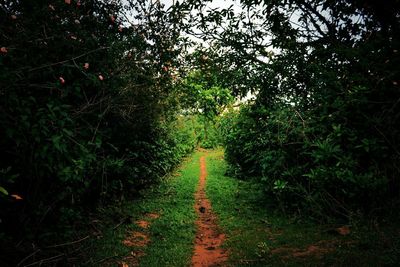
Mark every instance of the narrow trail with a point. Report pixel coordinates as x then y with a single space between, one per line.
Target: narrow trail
161 227
207 250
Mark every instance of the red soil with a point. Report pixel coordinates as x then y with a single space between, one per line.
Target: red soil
207 250
143 224
153 215
317 250
138 240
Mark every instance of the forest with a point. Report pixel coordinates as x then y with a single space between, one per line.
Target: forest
102 101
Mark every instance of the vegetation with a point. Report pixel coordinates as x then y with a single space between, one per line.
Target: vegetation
259 236
87 112
321 133
204 97
171 232
102 99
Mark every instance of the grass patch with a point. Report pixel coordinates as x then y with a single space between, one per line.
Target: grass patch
256 236
171 234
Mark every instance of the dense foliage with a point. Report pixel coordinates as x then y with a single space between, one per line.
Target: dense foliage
322 133
204 97
88 110
100 99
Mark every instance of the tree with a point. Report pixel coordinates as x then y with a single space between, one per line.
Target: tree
203 94
87 110
324 120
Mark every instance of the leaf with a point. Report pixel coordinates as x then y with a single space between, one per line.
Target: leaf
3 190
56 141
68 132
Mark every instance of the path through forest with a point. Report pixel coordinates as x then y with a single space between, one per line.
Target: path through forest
206 218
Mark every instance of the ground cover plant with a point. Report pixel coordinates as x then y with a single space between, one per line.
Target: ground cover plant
164 215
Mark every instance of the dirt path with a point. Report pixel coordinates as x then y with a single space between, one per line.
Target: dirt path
207 250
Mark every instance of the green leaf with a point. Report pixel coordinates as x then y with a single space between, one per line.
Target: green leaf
68 132
56 141
3 190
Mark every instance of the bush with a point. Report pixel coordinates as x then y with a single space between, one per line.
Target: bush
87 111
319 164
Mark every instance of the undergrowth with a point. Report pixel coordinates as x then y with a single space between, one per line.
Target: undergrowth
258 235
171 234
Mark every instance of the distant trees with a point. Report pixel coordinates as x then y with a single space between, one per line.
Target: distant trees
203 95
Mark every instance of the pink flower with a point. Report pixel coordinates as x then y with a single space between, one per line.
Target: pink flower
86 66
62 81
16 197
101 77
68 2
3 50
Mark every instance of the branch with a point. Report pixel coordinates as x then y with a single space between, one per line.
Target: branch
27 257
67 60
40 262
313 21
69 243
331 30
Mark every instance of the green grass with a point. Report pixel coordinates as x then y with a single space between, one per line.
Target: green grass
254 231
107 247
172 234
